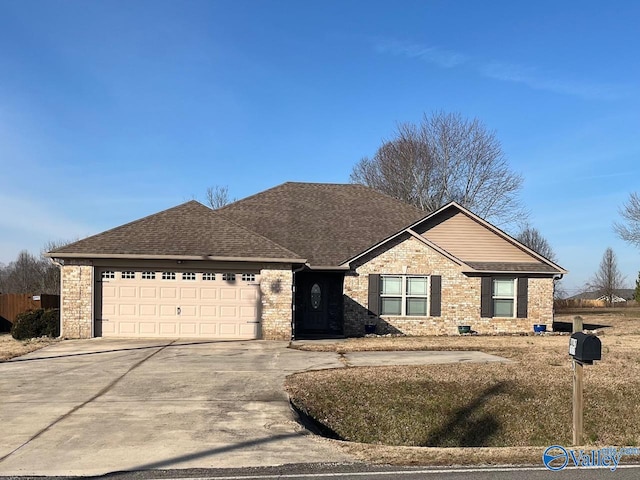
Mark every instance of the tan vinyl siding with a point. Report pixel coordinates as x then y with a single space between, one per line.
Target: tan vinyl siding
470 241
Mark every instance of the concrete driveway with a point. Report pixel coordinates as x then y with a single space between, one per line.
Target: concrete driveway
90 407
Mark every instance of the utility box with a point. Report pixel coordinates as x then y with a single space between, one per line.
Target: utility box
585 348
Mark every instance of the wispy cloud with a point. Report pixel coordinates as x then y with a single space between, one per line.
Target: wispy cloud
505 72
435 55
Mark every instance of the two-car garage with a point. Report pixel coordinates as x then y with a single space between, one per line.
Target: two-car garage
154 302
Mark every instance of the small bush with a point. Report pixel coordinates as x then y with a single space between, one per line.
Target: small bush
37 323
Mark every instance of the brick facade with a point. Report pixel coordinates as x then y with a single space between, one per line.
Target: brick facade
276 288
76 312
460 295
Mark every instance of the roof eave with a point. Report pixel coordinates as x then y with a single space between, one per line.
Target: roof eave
339 268
214 258
510 272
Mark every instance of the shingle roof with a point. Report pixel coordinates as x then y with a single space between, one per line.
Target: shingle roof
325 223
512 267
190 229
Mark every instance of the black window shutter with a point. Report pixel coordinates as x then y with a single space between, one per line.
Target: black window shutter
374 293
436 296
523 297
486 297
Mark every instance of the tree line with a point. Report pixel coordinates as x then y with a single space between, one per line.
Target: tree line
31 274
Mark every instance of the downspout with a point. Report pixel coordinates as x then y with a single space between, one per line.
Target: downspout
556 278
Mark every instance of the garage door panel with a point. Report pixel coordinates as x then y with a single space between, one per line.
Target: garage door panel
108 327
188 293
228 329
148 310
208 293
127 328
108 291
248 312
168 292
192 304
148 292
168 310
229 294
127 292
188 328
208 311
248 329
249 294
148 328
126 310
168 328
188 311
208 329
228 311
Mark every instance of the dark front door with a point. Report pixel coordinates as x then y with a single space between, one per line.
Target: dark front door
318 303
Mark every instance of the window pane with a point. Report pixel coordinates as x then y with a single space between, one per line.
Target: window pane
417 306
391 285
503 288
416 286
503 308
391 306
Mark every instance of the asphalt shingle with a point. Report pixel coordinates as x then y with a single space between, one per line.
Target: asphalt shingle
325 223
190 229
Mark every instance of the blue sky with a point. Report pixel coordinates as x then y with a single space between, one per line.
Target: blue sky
113 110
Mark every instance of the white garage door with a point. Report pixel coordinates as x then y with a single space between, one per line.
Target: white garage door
174 303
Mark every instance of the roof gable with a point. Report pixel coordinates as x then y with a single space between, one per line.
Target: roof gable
190 229
325 223
473 243
470 241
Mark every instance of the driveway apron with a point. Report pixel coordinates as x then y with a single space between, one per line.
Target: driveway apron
89 407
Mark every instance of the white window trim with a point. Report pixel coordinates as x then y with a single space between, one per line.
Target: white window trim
504 297
168 274
404 296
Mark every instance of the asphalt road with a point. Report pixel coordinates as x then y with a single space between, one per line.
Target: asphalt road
360 471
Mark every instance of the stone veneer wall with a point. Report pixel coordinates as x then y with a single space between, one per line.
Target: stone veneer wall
276 288
76 315
460 296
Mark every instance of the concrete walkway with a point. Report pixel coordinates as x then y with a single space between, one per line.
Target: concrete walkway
90 407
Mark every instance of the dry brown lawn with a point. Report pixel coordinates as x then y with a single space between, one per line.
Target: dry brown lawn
10 347
509 409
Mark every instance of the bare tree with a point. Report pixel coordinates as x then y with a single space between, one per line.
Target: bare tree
24 275
218 196
608 279
533 239
446 158
31 274
629 231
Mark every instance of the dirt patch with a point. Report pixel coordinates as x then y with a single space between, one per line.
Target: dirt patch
10 347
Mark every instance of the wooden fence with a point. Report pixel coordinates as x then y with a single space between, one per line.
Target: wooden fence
12 304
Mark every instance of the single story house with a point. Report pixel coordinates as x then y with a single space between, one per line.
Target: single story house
619 295
303 260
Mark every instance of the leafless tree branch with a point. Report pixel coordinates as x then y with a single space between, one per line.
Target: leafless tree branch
446 158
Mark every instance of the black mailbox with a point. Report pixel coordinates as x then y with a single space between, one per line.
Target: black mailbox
585 348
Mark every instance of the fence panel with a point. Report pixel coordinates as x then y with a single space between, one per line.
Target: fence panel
12 304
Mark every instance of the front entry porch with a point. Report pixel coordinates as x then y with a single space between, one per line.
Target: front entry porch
318 305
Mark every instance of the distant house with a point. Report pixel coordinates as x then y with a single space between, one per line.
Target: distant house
621 295
303 260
